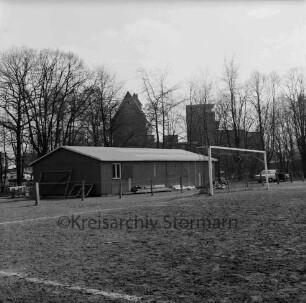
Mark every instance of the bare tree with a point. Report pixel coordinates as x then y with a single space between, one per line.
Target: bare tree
15 75
284 138
53 103
294 92
257 95
102 106
273 112
161 101
234 114
75 118
176 122
4 159
233 110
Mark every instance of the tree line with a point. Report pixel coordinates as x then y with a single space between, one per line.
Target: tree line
271 105
49 98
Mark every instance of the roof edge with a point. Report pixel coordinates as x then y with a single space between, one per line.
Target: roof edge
67 147
42 157
70 148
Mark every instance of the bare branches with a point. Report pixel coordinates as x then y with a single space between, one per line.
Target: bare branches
160 101
45 97
233 106
102 105
48 98
15 69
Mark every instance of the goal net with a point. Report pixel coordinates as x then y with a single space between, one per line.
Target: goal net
236 169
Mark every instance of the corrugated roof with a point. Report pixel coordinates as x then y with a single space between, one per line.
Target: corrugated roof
113 154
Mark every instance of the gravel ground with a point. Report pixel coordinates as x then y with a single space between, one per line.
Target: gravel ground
251 247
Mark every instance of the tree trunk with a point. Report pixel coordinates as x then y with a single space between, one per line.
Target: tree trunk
18 156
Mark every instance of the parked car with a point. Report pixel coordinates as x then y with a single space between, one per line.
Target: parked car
273 175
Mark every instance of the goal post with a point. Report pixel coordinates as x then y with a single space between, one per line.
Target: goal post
210 168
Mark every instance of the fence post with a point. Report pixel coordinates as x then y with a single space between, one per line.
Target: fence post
83 190
37 194
120 189
181 183
277 177
290 175
303 178
151 187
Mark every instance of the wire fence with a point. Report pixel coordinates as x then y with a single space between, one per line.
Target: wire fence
112 187
84 188
246 181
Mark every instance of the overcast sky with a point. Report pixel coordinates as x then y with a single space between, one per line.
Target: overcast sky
182 36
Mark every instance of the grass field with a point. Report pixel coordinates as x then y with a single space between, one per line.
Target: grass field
247 246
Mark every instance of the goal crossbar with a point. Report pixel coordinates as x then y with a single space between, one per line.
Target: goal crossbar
211 189
238 149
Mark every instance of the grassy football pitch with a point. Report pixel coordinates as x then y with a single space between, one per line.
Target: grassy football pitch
247 246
